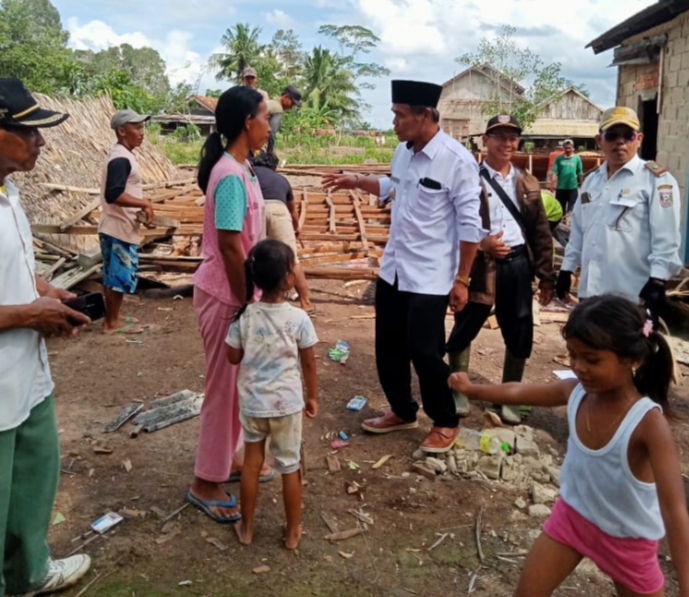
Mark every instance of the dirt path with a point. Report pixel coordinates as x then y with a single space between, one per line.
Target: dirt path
96 376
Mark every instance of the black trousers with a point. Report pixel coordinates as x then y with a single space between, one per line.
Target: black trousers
410 329
567 198
513 309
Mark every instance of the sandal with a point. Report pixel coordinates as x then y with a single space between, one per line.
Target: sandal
130 328
206 505
236 477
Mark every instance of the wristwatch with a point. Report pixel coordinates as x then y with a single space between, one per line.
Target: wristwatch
466 280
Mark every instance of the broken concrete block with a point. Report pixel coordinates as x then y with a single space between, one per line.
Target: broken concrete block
520 503
524 431
462 466
490 466
436 465
527 447
451 463
539 511
510 470
419 455
542 495
422 469
554 473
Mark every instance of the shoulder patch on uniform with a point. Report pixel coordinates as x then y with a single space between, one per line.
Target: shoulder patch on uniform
655 168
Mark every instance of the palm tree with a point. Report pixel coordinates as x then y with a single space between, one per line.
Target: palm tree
242 49
329 80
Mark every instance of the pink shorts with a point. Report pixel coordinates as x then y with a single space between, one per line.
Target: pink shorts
633 563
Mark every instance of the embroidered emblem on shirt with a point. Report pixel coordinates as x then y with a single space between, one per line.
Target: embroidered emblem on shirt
665 194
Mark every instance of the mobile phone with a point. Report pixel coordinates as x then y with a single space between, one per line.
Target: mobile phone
92 305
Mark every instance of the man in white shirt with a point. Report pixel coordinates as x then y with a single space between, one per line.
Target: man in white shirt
30 309
625 231
434 237
520 244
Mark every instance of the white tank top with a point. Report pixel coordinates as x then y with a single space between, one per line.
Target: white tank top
600 485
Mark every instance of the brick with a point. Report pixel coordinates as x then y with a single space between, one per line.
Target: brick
675 64
676 96
672 79
685 58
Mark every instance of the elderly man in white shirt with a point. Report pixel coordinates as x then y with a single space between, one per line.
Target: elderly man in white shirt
434 237
30 309
625 231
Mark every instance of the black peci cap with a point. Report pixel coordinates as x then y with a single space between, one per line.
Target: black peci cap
19 108
416 93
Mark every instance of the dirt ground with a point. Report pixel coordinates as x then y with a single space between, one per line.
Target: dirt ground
96 376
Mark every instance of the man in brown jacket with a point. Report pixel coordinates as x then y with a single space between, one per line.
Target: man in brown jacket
519 245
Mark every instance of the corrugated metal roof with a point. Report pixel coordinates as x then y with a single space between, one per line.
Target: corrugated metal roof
210 103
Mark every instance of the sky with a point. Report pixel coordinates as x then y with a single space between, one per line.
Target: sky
420 39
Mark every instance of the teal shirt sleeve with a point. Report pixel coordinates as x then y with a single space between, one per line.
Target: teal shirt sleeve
230 204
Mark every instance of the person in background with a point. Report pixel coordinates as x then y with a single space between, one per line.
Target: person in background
568 174
520 244
122 198
250 79
282 221
621 481
434 236
233 224
551 162
625 231
553 209
290 98
30 310
272 342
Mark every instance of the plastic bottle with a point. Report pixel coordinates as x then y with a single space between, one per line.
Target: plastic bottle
486 442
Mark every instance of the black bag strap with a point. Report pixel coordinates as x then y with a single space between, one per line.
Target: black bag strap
508 203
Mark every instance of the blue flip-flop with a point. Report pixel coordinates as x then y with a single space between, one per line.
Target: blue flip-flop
206 505
236 477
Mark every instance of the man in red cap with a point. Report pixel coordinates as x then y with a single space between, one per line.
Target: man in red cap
434 236
30 310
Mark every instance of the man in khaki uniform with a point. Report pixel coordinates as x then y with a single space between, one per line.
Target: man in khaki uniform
290 98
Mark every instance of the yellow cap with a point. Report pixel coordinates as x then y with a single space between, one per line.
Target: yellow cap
619 115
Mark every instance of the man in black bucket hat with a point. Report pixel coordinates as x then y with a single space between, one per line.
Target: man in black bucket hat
30 310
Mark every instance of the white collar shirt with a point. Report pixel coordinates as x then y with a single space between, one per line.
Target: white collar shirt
625 229
501 219
428 223
25 379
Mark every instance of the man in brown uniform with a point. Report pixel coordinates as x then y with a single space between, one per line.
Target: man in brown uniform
121 201
519 245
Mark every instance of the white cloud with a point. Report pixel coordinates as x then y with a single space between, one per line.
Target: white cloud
183 64
280 19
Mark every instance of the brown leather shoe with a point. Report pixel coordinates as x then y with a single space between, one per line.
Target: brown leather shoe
439 440
388 423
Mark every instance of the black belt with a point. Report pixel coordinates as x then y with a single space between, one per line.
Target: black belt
517 251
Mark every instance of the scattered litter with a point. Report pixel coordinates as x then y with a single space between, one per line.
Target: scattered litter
343 436
472 583
127 513
361 516
102 450
357 403
346 556
217 543
127 464
105 523
124 415
340 353
59 519
562 359
170 528
158 512
338 444
178 297
520 503
261 570
382 461
185 583
439 541
352 487
134 342
353 465
330 522
328 559
344 535
422 469
165 309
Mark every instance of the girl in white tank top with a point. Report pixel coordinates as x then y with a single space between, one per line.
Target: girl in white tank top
621 481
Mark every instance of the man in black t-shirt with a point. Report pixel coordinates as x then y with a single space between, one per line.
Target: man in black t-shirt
282 221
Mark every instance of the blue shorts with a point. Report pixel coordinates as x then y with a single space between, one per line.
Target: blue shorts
120 264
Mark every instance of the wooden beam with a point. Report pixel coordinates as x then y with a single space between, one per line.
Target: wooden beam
331 221
341 273
90 230
302 208
360 219
80 215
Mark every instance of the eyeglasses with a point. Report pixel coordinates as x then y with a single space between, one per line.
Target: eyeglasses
505 138
612 136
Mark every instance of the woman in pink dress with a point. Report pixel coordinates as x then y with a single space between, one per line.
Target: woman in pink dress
233 224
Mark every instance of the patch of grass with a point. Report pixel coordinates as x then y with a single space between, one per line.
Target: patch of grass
137 587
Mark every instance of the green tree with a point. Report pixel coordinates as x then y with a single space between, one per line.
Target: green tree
287 49
33 46
513 64
329 80
241 49
124 92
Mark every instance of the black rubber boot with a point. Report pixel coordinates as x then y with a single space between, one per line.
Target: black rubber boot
512 371
459 363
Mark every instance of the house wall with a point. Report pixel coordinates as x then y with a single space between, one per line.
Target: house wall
462 101
636 82
571 106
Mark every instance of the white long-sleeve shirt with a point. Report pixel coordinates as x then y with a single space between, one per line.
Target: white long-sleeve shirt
24 371
428 224
625 230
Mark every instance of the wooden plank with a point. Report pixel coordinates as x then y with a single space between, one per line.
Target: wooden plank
341 273
303 207
90 230
315 236
360 219
80 215
338 257
331 221
74 276
48 274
